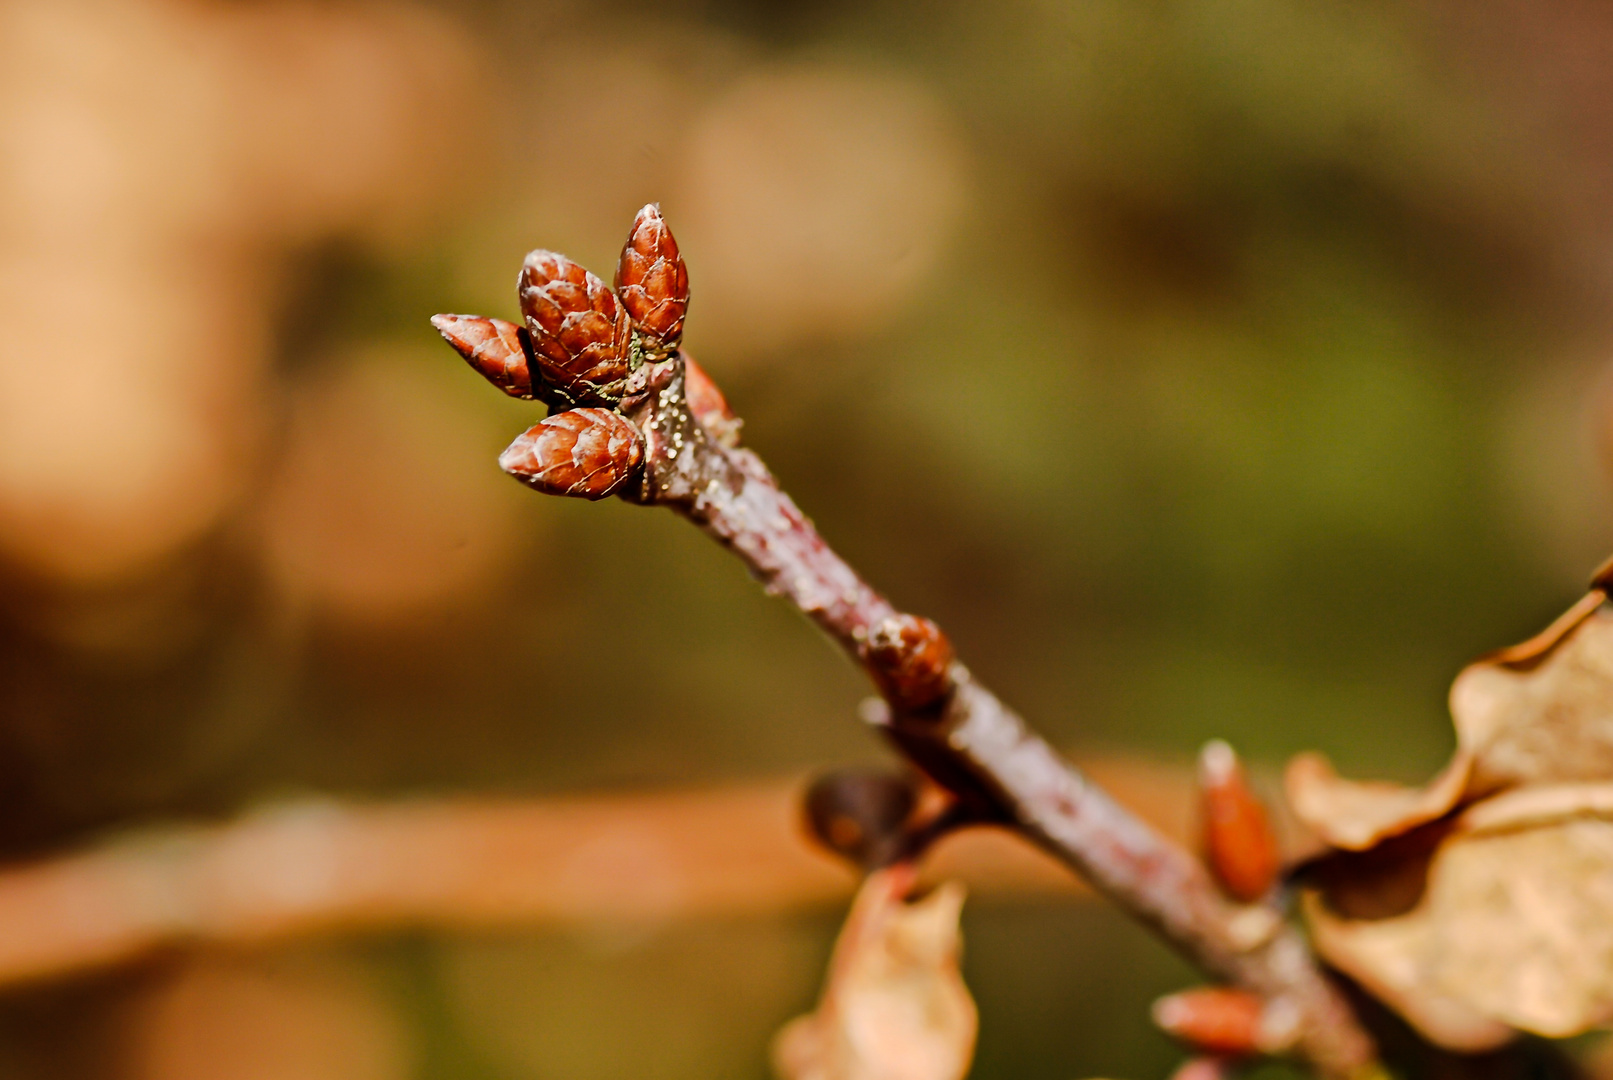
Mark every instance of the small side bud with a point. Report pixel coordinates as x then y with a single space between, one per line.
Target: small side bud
584 453
1239 844
579 332
708 404
910 658
653 283
495 348
1213 1020
860 814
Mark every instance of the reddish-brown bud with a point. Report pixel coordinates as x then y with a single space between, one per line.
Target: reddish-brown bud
587 453
1214 1020
579 332
493 347
1239 843
860 813
708 404
653 283
910 659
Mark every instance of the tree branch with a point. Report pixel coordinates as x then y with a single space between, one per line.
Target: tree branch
633 416
313 867
959 733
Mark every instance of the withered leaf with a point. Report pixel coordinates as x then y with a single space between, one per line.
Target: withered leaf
1543 718
1514 929
1508 922
1540 712
1356 814
895 1006
653 283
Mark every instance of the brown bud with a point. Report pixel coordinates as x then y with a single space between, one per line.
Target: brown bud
708 404
1238 840
860 813
579 332
1214 1020
909 658
493 347
653 283
588 453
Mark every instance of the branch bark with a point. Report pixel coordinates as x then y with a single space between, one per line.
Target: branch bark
968 740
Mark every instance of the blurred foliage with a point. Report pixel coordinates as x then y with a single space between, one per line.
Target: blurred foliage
1239 390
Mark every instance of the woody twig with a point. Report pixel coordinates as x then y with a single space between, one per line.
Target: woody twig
634 416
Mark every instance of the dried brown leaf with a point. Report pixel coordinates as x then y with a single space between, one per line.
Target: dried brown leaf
895 1006
1538 712
1546 716
1514 930
1386 957
1356 814
1507 923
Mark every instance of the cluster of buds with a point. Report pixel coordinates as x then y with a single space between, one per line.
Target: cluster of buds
580 351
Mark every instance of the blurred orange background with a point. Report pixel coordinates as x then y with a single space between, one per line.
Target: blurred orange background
1208 368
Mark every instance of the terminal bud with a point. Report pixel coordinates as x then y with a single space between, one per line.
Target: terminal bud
653 283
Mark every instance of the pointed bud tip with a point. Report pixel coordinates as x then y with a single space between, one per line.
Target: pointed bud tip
451 327
516 458
1170 1012
1217 762
454 328
493 347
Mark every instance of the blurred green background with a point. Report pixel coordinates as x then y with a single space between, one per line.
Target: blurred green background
1209 368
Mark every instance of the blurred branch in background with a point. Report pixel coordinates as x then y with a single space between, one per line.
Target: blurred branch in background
321 866
1218 368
